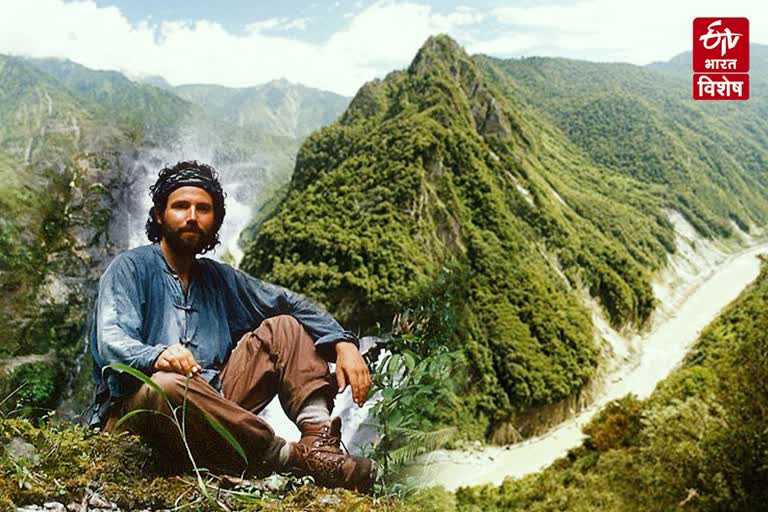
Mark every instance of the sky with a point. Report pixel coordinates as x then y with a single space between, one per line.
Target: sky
341 44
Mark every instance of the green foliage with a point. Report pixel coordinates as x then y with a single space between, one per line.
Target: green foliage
434 499
417 395
37 383
70 458
417 379
70 462
636 121
617 425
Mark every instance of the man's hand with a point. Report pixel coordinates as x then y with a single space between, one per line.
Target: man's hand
352 370
177 358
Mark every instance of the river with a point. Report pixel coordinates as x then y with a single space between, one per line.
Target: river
661 350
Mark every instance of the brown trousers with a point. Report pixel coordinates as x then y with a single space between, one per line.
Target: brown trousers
278 358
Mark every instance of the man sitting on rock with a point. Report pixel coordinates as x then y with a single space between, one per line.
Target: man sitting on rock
178 319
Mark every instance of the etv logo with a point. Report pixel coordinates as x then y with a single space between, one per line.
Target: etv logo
721 55
728 38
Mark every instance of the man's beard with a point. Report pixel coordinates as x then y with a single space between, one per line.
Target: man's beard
182 243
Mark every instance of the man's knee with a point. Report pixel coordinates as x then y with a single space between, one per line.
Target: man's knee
171 383
147 396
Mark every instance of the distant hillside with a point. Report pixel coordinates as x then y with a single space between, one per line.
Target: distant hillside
279 107
142 106
681 64
158 117
260 125
644 124
507 188
41 120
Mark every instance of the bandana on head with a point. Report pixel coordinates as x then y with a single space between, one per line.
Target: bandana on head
188 177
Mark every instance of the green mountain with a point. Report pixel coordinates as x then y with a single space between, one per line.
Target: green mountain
260 125
157 81
506 189
681 64
41 120
158 116
144 107
278 107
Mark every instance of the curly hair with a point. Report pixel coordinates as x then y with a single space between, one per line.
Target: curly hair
187 173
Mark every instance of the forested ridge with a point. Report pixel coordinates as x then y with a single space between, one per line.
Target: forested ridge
640 121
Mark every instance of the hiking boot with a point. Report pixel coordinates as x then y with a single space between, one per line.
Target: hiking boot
323 436
331 468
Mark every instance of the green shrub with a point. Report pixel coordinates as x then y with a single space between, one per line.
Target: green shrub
38 385
617 425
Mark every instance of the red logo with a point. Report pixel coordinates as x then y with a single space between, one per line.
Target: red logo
720 44
719 86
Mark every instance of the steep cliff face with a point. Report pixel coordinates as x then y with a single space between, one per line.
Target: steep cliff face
435 171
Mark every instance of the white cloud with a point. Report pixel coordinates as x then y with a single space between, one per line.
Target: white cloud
385 35
382 37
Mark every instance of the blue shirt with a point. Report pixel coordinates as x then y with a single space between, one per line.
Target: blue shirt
141 309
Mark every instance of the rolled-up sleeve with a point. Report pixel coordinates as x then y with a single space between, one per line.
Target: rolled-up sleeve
264 300
119 323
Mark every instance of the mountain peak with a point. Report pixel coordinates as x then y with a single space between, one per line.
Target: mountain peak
155 80
439 50
442 56
280 82
440 74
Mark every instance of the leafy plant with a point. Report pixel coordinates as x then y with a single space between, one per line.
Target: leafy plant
34 388
417 380
178 418
616 425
